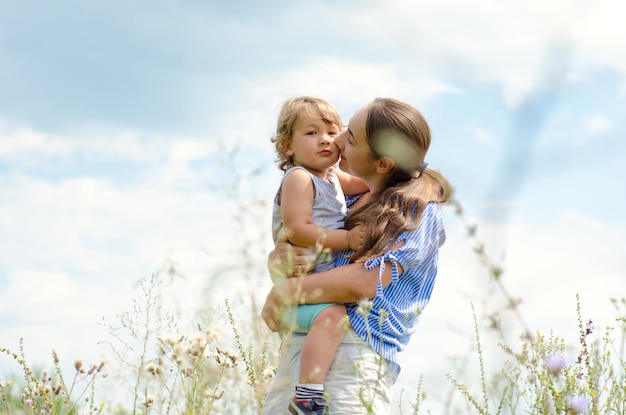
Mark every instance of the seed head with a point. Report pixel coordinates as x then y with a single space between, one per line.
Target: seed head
213 335
149 401
216 395
269 372
364 307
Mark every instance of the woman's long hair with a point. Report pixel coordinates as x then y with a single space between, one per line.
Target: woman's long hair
396 130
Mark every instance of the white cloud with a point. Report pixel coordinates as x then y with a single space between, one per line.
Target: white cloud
600 34
417 51
22 142
91 223
483 136
36 294
347 83
523 46
597 125
176 171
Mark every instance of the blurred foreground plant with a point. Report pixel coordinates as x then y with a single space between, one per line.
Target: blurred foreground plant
50 393
190 371
542 379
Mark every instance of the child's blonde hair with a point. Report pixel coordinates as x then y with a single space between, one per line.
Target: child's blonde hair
290 113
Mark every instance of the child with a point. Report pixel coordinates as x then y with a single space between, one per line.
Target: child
310 202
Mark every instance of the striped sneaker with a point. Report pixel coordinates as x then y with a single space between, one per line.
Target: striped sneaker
315 406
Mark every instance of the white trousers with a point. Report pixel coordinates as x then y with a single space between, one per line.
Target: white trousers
359 380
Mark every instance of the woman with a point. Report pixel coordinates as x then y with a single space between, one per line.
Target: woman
384 145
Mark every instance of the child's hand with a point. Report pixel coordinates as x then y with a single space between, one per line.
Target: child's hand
356 237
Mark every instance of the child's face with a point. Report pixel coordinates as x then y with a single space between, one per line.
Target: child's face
312 144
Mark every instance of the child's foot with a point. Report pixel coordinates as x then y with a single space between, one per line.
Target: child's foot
316 406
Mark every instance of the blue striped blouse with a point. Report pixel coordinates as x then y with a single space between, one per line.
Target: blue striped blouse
387 321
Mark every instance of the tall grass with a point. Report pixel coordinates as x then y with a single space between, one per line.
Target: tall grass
223 361
541 375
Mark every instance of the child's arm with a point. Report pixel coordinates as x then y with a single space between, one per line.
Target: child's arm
349 184
296 204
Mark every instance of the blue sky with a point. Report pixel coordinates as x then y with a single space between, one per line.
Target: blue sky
114 117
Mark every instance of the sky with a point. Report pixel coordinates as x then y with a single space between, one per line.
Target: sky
131 133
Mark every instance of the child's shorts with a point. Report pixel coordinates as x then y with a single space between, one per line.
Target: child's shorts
301 317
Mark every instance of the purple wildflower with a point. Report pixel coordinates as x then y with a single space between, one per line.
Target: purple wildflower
555 363
579 403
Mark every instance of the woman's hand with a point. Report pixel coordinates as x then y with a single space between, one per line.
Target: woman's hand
279 297
287 260
271 312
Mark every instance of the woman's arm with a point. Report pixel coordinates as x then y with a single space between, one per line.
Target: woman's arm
348 283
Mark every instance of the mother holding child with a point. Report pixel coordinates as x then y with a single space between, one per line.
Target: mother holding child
366 304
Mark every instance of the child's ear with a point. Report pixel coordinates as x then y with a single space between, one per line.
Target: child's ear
286 146
384 165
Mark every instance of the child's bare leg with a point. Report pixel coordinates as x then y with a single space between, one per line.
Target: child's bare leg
321 344
318 352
